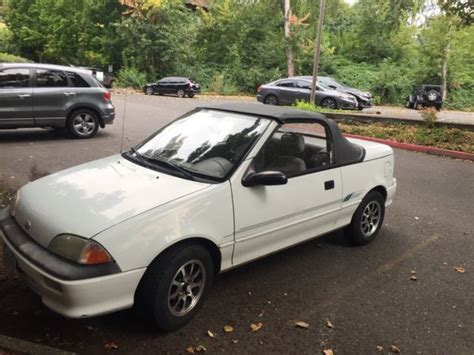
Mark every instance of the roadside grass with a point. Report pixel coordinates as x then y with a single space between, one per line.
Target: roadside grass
439 137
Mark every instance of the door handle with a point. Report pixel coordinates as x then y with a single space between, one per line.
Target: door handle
69 93
328 185
23 96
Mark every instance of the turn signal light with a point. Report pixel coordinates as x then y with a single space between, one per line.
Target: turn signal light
94 254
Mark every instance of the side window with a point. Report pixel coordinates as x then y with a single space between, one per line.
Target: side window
77 80
46 78
303 84
295 149
286 84
14 78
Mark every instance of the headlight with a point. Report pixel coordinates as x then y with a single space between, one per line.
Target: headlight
14 204
79 250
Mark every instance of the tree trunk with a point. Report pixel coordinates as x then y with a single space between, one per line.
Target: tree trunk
290 66
444 73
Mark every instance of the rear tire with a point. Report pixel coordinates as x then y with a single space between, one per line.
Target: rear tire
367 219
175 286
82 123
271 100
329 103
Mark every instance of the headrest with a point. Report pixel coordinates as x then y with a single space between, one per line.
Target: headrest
293 142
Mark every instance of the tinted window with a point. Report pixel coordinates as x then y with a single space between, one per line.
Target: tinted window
286 84
50 78
14 78
77 80
304 84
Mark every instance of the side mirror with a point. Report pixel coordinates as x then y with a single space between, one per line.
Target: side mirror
265 178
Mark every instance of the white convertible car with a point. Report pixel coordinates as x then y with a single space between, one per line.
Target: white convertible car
218 187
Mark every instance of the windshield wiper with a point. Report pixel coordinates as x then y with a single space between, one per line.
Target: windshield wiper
175 166
142 159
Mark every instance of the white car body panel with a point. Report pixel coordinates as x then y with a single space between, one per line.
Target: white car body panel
136 213
103 193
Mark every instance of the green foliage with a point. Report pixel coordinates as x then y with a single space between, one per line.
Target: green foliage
430 116
10 58
306 106
130 77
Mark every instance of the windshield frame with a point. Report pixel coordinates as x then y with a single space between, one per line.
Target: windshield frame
198 176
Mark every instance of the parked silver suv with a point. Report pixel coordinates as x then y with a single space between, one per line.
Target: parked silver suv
43 95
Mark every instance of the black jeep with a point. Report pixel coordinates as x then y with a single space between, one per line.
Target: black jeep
427 95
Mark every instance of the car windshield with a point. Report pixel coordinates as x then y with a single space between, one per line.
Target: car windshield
206 142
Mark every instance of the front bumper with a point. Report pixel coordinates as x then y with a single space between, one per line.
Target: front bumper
346 104
69 289
391 193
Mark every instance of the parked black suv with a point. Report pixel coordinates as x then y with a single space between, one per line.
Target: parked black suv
42 95
425 96
179 86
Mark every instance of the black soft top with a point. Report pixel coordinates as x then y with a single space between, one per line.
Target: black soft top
345 152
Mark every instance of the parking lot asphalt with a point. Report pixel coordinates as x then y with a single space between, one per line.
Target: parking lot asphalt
368 294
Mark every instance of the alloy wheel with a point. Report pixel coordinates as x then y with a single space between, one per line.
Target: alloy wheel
186 288
84 124
370 218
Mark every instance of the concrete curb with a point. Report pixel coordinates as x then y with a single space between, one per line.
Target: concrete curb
369 118
417 148
23 346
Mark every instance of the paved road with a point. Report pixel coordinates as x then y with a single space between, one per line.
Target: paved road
365 292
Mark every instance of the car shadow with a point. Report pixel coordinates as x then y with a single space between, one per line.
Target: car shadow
40 134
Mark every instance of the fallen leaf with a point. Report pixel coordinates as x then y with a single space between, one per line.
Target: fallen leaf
329 324
111 346
417 218
394 349
413 278
201 349
235 341
256 327
459 269
301 324
328 352
190 350
211 334
228 329
379 348
261 314
413 272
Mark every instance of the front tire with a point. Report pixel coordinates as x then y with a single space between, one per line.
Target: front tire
367 219
180 93
149 91
175 285
83 123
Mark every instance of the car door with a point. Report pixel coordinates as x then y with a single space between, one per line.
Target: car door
303 90
51 97
269 218
161 86
16 98
287 91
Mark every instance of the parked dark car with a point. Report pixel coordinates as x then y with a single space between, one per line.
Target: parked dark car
179 86
426 96
364 99
42 95
288 91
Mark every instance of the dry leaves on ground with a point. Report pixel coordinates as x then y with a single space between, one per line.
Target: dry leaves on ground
228 329
413 278
211 334
379 348
460 269
301 324
197 349
329 324
111 346
256 327
394 349
328 352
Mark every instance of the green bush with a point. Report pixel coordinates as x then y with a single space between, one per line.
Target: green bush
130 77
10 58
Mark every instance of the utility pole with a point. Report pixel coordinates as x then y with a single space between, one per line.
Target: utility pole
317 50
290 67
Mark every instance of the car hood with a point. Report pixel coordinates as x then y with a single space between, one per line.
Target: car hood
365 95
89 198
